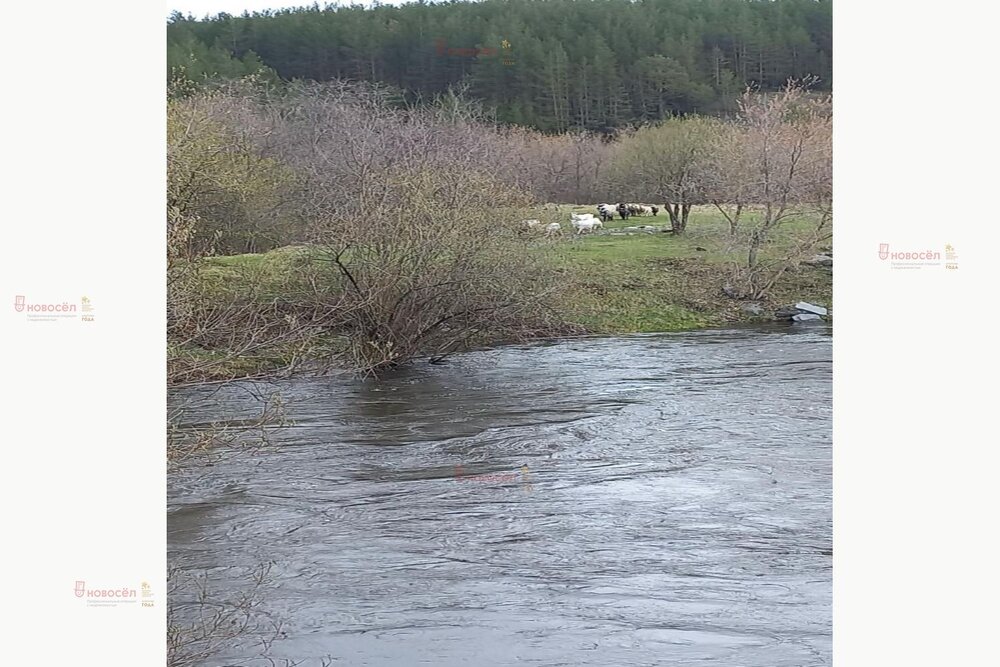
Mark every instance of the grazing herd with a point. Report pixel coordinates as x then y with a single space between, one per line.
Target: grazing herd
607 211
583 223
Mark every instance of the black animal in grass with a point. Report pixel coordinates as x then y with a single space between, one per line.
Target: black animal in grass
623 211
656 209
606 212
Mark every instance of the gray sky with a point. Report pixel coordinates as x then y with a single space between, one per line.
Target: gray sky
200 8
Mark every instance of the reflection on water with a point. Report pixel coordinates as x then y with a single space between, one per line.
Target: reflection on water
645 500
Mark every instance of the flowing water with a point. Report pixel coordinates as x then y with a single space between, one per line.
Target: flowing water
642 500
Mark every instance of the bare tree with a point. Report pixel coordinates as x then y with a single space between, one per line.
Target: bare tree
782 164
725 175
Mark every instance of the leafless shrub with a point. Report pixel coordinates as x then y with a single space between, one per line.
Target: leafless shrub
202 623
418 225
780 161
724 175
209 441
415 210
570 167
246 315
425 278
224 195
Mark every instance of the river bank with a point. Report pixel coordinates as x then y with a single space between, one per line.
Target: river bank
618 282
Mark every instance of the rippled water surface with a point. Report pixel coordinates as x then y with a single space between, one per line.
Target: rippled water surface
645 500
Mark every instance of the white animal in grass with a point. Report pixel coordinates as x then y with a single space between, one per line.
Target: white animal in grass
587 225
530 224
553 228
581 217
582 221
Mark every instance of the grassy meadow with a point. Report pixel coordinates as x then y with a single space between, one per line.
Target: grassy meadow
662 282
615 284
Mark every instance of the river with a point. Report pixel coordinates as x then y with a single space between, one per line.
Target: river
641 500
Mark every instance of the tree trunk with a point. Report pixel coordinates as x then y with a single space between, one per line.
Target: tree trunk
674 211
755 241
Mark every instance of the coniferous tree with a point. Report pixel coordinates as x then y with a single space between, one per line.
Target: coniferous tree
592 64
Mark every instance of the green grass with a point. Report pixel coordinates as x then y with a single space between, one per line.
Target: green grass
278 273
617 283
662 282
706 228
638 283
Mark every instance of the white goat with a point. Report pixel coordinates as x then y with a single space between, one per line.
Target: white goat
530 224
587 225
553 228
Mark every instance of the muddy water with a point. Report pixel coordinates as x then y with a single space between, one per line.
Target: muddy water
644 500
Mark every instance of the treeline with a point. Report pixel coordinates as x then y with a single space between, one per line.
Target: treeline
549 64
